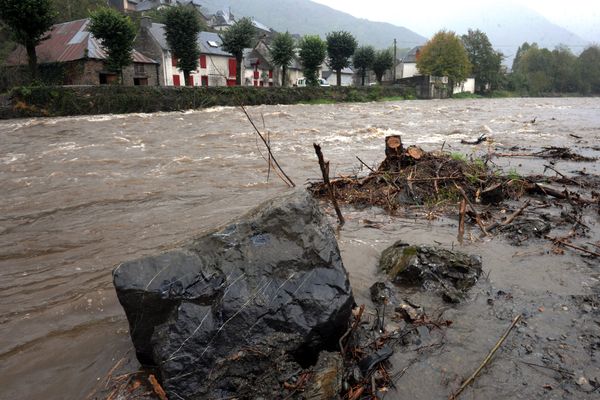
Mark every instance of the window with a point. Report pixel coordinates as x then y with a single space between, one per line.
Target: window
140 81
212 43
270 74
138 69
190 81
203 61
108 79
176 81
205 80
174 61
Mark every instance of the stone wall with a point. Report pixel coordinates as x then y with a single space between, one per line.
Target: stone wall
116 99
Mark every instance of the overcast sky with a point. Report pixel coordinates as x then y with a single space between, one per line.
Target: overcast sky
579 16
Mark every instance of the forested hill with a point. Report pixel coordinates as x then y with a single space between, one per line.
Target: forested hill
307 17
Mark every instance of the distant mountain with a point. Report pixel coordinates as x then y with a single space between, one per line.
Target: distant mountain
507 24
307 17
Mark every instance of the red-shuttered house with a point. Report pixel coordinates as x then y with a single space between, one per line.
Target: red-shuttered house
215 66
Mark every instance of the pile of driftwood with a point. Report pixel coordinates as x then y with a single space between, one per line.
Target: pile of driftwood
410 177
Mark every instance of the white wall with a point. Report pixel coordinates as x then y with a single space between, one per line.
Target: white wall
217 70
409 70
467 86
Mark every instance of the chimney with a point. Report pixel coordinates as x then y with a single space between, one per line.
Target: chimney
146 22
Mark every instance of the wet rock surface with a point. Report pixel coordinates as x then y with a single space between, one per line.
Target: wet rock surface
450 273
231 311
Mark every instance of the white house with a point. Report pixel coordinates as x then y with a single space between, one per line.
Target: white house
215 66
408 65
331 76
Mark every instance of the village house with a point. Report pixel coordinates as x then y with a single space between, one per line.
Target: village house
257 66
215 66
331 76
78 58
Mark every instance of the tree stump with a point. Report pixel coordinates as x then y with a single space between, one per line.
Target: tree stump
394 153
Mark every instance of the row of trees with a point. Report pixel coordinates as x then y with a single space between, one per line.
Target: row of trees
538 70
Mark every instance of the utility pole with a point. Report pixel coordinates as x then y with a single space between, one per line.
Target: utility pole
395 62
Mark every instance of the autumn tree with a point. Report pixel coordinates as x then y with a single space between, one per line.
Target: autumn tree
363 61
182 26
383 61
116 33
445 55
238 37
28 22
486 62
282 53
341 45
313 51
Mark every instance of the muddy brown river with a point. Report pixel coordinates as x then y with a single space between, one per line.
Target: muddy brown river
80 195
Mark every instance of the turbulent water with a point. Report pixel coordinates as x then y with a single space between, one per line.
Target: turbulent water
79 195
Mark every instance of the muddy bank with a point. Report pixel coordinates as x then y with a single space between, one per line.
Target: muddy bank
83 194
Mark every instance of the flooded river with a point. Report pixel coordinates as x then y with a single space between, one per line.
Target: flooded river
79 195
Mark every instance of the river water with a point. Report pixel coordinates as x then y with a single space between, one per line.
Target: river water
79 195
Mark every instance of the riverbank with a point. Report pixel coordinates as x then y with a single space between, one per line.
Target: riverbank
58 101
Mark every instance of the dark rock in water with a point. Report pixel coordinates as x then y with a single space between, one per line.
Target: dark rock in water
225 314
383 292
451 273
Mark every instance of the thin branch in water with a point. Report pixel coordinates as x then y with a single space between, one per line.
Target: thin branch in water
363 163
288 181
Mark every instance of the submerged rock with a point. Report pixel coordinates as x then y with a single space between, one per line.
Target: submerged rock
224 314
451 273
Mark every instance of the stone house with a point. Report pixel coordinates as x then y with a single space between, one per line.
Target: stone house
80 58
215 66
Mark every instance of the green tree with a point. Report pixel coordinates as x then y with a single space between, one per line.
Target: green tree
565 77
69 10
116 33
341 45
445 55
485 60
28 22
363 59
589 70
282 53
384 60
182 26
520 51
235 39
313 51
534 70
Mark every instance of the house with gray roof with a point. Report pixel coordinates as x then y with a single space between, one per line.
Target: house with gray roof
216 67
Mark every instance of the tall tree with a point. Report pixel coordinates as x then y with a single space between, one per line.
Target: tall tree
182 26
341 45
282 53
238 37
534 71
589 70
485 60
28 22
383 61
363 60
313 51
565 77
445 55
116 33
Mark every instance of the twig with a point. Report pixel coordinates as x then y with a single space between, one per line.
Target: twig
325 171
487 359
461 219
158 390
472 207
510 218
561 174
288 181
558 240
351 329
481 138
363 163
